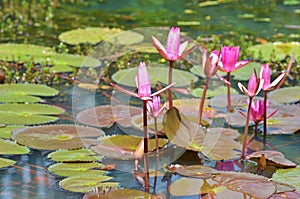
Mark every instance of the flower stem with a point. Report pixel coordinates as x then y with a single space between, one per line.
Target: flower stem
156 136
170 82
228 93
201 105
265 117
246 130
146 165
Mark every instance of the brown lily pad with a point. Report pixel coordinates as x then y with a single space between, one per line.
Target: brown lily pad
273 158
54 137
105 116
196 171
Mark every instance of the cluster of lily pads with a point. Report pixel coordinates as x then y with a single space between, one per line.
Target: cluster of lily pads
78 151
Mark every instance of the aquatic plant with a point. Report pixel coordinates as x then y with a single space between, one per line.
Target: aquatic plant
173 51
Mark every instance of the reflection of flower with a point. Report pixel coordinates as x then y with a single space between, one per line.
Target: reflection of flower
174 50
143 84
265 75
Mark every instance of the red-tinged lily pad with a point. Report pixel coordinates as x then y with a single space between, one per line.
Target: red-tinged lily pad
283 125
215 143
8 147
123 146
274 158
286 195
292 176
120 194
86 182
285 95
78 155
6 162
195 171
71 169
54 137
106 116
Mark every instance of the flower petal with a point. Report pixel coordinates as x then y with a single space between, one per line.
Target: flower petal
240 64
243 88
160 48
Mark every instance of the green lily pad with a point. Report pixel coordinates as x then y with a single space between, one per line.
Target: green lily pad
91 35
121 194
73 60
9 97
8 147
157 74
292 176
84 183
285 95
18 114
71 169
79 155
123 146
244 73
197 92
6 162
60 69
54 137
29 89
5 131
280 50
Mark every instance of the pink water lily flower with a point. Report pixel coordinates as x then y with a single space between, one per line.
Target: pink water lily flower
143 84
174 50
254 86
154 108
265 75
229 59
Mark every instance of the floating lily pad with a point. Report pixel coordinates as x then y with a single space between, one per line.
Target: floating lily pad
292 176
91 35
245 72
196 171
280 50
6 162
273 158
187 187
197 92
54 137
215 143
157 74
285 95
84 183
120 194
79 155
60 69
73 60
283 195
127 38
29 89
105 116
5 131
71 169
123 146
8 97
18 114
8 147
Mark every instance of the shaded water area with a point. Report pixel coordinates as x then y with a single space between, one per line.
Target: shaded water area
41 22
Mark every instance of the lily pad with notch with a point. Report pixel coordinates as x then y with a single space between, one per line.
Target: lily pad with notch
54 137
5 131
8 147
4 162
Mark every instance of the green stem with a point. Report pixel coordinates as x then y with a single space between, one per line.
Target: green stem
170 82
246 130
201 105
228 93
146 165
265 117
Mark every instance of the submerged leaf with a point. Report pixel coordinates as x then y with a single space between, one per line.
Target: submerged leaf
54 137
274 158
86 182
71 169
6 162
79 155
8 147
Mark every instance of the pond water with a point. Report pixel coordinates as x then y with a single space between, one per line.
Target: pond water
270 20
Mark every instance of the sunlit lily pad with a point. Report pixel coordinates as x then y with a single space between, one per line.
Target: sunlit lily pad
196 171
91 35
18 114
29 89
274 158
54 137
71 169
60 69
121 194
197 92
105 116
8 147
215 143
285 95
123 146
5 131
280 50
8 97
157 74
292 176
6 162
86 182
79 155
